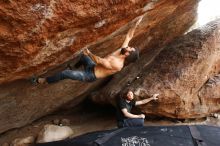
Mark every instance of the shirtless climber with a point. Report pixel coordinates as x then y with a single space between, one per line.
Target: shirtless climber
96 67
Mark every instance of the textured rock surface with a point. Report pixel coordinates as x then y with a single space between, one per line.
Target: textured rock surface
179 74
21 103
37 35
210 92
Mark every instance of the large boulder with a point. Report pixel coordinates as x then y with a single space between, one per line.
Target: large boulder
185 74
36 36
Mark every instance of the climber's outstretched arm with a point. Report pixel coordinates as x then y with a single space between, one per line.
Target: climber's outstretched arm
130 33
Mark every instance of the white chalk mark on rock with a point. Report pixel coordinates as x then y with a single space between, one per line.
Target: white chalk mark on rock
47 12
100 23
148 7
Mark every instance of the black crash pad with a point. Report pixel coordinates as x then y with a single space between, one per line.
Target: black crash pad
199 135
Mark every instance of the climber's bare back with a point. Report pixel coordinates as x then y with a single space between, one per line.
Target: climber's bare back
116 64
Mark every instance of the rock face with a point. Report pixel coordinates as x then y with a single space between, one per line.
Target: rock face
210 92
179 74
36 36
21 103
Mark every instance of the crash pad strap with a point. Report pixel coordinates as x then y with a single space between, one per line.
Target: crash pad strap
196 136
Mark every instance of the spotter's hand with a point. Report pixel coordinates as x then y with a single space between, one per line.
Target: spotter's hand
155 96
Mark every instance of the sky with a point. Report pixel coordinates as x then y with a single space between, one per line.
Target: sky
208 10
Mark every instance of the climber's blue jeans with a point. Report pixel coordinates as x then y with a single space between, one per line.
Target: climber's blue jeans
131 122
86 75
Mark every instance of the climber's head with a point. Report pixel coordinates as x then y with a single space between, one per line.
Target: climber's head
131 54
